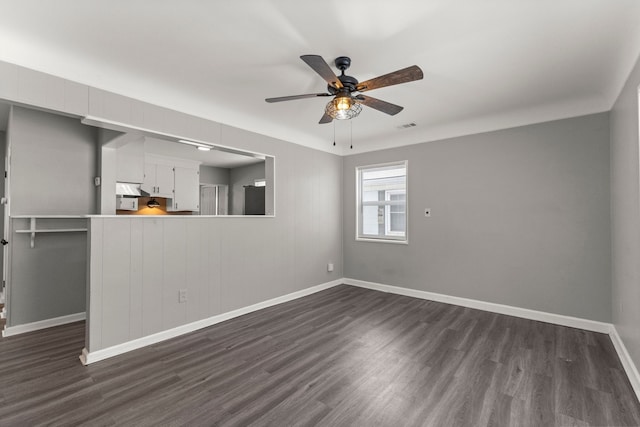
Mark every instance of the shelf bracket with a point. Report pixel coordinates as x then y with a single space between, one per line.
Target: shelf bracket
32 227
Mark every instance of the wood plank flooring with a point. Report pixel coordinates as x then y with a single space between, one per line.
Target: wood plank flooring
342 357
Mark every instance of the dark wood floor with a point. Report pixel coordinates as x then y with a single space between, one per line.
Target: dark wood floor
342 357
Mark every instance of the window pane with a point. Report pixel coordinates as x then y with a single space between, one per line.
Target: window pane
383 180
370 220
398 222
369 196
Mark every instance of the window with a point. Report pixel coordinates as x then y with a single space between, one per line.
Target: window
382 202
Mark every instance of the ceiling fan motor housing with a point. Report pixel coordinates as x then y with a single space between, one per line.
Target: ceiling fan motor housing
349 82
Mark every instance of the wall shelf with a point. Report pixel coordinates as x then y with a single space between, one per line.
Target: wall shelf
33 230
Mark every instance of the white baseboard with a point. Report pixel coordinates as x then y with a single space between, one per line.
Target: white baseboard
42 324
88 357
525 313
627 362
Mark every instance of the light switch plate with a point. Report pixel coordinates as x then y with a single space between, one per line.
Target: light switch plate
427 212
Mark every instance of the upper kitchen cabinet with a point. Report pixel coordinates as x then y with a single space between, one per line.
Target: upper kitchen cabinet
187 189
158 176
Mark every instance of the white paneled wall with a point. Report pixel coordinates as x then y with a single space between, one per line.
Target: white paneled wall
139 265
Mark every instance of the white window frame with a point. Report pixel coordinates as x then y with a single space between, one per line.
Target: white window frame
390 237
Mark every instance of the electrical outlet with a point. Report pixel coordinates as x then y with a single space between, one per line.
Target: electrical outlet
427 212
182 295
330 267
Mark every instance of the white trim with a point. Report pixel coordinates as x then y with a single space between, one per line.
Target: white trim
525 313
95 356
387 240
42 324
626 360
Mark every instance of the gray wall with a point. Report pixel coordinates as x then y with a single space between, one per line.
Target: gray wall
519 217
50 279
238 178
625 216
53 162
213 175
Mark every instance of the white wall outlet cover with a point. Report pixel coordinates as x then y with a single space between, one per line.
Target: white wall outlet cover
427 212
330 267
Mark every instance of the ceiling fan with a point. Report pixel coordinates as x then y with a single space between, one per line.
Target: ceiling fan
346 90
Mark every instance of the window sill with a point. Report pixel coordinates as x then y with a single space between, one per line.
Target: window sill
397 242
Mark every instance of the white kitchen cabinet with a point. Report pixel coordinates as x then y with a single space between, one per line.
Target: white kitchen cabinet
158 179
186 190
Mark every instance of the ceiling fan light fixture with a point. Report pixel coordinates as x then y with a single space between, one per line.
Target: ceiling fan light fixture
342 103
343 107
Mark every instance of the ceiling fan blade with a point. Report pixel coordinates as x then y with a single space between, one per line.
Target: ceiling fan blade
405 75
325 119
292 97
384 106
321 67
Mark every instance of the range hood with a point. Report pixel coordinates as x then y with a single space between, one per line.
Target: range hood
129 189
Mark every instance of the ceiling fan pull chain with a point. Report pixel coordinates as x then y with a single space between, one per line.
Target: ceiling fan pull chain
351 123
334 134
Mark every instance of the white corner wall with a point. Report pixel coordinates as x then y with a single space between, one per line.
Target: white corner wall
625 217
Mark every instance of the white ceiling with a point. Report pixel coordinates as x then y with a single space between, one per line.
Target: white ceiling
487 64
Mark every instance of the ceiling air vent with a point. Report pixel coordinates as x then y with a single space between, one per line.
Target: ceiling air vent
407 126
